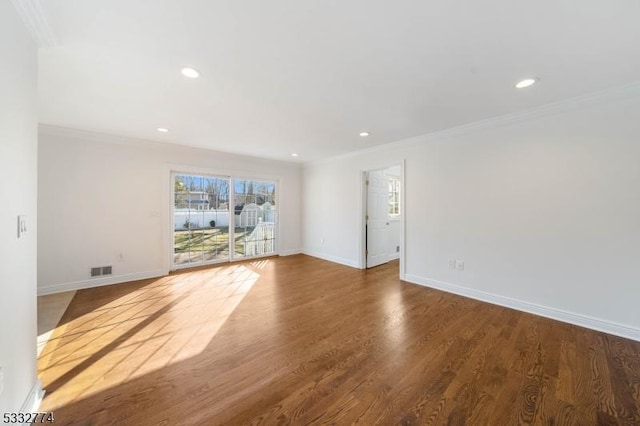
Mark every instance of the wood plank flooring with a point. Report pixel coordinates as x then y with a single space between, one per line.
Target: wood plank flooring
298 340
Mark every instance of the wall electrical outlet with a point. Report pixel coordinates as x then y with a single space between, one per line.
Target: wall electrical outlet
452 264
460 265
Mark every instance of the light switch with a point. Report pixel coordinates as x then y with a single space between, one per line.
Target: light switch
22 225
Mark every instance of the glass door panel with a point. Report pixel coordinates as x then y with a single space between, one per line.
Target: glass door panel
201 219
254 217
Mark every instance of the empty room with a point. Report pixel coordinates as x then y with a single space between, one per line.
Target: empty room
319 212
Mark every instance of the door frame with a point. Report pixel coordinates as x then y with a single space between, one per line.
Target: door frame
362 262
168 203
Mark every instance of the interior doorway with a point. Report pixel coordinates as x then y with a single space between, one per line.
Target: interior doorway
383 217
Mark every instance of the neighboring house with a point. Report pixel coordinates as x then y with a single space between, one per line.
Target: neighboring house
194 200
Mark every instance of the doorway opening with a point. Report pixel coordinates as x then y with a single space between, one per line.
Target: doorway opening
221 218
383 217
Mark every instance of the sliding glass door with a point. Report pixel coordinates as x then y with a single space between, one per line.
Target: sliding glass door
211 214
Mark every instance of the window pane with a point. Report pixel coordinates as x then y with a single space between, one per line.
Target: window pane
394 196
255 217
201 219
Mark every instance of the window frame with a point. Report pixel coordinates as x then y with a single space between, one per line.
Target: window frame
395 192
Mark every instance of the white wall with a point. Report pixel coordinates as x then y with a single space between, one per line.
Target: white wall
18 179
543 207
124 186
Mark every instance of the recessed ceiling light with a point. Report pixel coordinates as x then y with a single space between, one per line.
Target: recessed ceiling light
294 155
162 130
190 72
364 134
526 83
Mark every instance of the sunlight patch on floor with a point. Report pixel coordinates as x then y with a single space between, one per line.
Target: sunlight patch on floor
51 307
169 320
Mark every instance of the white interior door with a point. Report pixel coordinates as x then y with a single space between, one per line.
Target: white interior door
377 218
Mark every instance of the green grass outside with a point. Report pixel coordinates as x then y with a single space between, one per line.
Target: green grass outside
209 239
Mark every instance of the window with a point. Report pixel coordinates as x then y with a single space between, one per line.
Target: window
221 218
394 196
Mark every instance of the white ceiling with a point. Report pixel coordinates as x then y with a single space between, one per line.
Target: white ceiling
307 76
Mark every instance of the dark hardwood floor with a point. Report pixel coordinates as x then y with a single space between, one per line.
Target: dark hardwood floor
298 340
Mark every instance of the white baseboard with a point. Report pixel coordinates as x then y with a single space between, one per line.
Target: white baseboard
33 400
532 308
330 258
290 252
98 282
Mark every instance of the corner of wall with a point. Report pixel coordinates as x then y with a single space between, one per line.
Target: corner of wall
331 258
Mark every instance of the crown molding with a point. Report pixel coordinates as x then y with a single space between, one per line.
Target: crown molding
617 93
88 135
36 22
96 137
